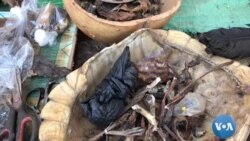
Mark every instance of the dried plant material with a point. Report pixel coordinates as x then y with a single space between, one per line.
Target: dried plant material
46 17
143 6
149 133
163 103
117 123
117 1
151 68
162 134
151 119
140 94
182 52
122 10
136 131
186 89
170 132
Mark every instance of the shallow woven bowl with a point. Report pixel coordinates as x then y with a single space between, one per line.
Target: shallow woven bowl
62 116
110 31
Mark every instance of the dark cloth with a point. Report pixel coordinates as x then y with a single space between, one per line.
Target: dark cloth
108 100
233 43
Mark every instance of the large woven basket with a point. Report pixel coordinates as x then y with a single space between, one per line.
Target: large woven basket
110 31
62 118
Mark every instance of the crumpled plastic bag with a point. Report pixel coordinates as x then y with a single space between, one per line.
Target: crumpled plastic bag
192 104
16 59
230 43
108 100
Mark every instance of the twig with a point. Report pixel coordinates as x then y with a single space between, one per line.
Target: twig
136 131
185 90
170 132
112 126
149 133
139 95
162 134
151 119
163 103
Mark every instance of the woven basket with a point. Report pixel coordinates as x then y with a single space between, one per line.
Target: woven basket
111 31
62 118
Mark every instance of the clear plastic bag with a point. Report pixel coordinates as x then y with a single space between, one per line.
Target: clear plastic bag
4 112
50 22
16 59
192 104
29 5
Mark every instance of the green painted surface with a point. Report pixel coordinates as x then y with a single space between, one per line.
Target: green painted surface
204 15
58 3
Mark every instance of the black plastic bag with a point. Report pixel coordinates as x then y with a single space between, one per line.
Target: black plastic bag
233 43
108 101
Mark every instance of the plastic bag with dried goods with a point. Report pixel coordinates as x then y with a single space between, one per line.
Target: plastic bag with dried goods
191 104
50 22
16 60
108 100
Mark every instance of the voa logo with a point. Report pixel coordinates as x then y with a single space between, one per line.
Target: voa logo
224 126
227 126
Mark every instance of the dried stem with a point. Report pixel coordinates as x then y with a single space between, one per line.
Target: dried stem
170 132
149 133
162 134
151 119
112 126
139 95
163 103
136 131
185 90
